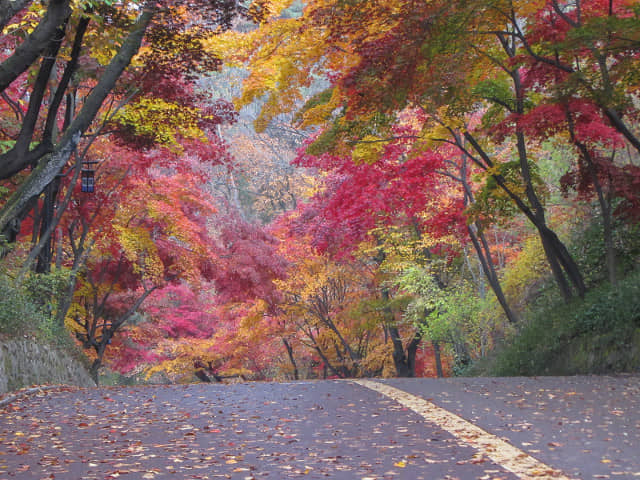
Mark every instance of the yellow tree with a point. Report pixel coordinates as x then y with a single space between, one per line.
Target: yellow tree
321 298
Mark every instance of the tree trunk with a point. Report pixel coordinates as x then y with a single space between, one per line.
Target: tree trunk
603 201
20 156
399 357
93 371
556 252
559 258
412 351
45 256
486 261
45 240
289 347
438 359
405 362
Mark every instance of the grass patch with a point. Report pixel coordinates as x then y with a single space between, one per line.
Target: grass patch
597 334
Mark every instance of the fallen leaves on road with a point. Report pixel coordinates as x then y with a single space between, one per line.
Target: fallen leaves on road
243 431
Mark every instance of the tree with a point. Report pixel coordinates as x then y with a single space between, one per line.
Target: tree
225 329
139 233
55 157
173 44
589 50
392 59
175 313
322 307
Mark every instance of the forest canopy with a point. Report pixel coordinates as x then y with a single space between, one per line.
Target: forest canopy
298 189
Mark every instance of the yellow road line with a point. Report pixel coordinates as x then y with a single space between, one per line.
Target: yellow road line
501 452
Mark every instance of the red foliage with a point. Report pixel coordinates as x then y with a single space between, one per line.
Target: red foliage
549 119
246 262
359 197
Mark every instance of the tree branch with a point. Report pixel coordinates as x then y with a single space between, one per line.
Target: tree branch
51 164
29 50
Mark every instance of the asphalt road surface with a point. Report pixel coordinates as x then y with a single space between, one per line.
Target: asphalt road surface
462 428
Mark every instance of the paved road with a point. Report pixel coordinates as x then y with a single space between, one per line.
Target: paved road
576 427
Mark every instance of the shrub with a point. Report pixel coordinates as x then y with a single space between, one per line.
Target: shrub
18 315
610 316
29 309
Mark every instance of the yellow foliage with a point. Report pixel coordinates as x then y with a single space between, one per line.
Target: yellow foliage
28 23
368 150
140 250
285 55
525 8
322 112
380 358
231 45
181 357
522 274
277 6
161 121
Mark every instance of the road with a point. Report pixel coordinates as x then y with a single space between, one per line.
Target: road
461 428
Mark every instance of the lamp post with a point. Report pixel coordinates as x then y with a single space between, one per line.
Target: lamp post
88 176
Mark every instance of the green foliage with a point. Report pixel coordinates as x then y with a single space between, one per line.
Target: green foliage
160 121
6 145
44 290
326 140
554 338
493 202
420 283
496 91
455 316
17 314
29 309
588 248
343 131
320 98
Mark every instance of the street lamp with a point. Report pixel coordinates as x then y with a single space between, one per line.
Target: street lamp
88 176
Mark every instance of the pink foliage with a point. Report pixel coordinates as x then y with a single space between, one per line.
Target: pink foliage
246 261
178 312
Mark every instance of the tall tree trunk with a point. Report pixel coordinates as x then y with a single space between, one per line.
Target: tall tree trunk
93 371
47 225
438 358
481 246
607 225
412 351
483 251
289 347
564 269
603 201
558 257
404 361
399 357
551 247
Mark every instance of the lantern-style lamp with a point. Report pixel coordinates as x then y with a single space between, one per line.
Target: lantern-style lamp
88 176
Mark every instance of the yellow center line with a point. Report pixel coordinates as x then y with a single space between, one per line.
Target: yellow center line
501 452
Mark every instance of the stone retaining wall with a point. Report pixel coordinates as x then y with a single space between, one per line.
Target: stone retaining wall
24 362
